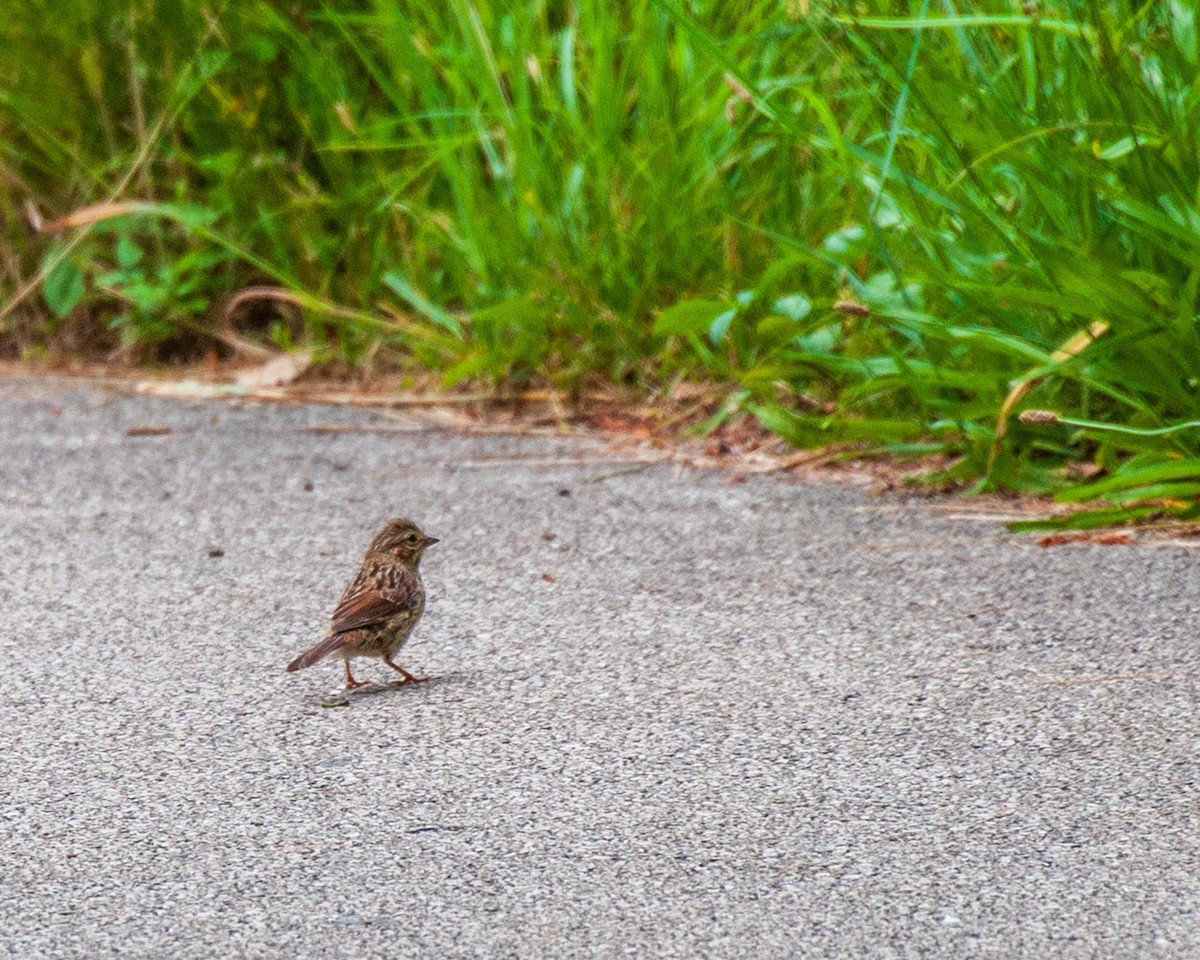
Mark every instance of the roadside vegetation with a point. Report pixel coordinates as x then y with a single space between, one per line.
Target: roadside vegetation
892 230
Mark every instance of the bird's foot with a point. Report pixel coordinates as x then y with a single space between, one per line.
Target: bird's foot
352 684
408 677
408 681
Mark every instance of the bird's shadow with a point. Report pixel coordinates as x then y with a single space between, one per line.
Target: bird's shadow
344 698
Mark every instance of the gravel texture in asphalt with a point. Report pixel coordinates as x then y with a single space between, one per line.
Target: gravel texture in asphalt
672 715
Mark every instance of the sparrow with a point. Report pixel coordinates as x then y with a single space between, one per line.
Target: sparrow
380 607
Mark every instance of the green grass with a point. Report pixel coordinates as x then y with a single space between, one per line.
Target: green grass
640 191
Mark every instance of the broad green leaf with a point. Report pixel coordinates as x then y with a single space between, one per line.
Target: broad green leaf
720 326
803 430
1156 491
519 312
63 288
774 331
129 254
1128 479
189 215
1084 519
847 238
794 306
689 316
473 365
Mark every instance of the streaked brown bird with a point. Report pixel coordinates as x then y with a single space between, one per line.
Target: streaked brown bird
380 607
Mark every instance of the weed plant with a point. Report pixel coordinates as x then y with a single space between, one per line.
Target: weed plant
888 225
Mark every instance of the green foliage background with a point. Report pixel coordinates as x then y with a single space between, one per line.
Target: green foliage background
651 189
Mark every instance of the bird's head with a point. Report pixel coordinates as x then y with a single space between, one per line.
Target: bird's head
401 539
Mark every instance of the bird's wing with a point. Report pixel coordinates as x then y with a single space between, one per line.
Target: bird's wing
375 599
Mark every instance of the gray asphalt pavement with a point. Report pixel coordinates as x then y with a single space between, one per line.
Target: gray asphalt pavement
673 716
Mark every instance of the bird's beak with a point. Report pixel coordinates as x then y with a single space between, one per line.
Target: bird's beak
430 541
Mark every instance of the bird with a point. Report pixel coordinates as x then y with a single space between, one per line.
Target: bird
380 607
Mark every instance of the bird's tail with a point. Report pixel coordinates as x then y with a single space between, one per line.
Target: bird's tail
323 649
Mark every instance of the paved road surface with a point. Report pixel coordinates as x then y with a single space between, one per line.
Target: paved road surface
673 716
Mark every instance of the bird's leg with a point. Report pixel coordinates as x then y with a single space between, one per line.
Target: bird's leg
351 683
408 677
